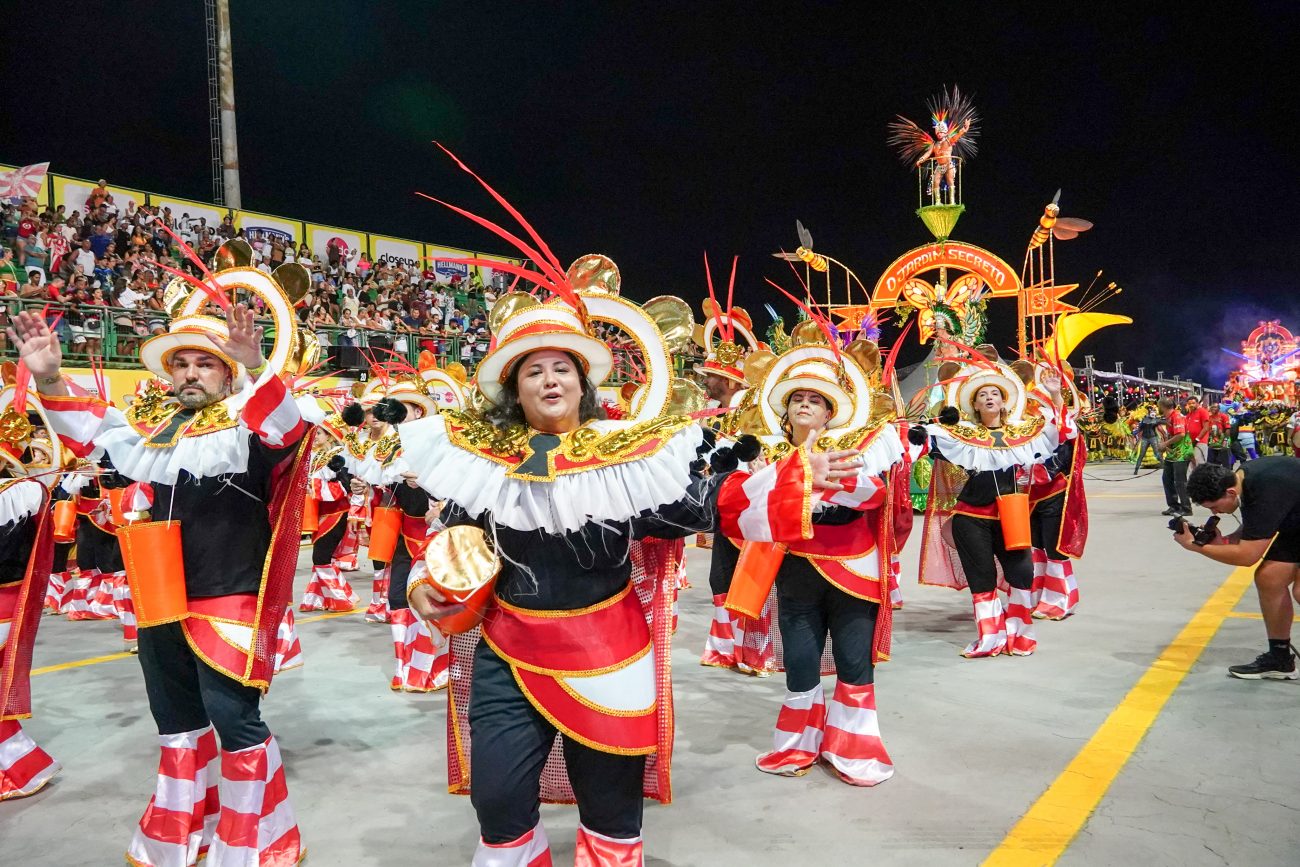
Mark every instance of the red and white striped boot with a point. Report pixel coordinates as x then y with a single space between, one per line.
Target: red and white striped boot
597 850
328 590
420 654
377 611
1060 589
797 739
178 824
83 602
852 745
74 593
100 597
55 591
288 650
991 623
24 767
1020 621
720 645
530 850
257 826
754 652
125 609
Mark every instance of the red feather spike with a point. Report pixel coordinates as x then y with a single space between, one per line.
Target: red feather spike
821 323
216 295
21 379
553 274
532 233
722 318
975 357
798 276
399 362
887 374
731 294
188 251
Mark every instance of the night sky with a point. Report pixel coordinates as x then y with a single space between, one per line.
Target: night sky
651 132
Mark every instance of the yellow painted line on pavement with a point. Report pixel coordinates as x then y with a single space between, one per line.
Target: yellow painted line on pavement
95 660
1252 615
1124 496
1043 834
78 663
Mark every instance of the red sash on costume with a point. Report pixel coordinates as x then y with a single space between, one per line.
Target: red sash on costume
415 533
590 672
28 600
329 513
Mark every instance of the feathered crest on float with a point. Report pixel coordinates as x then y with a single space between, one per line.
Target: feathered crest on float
950 111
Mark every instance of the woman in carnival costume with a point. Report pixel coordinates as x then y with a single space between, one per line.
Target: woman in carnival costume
29 468
835 580
224 454
984 445
575 639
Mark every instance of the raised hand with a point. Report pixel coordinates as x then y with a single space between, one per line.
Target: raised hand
38 346
829 467
245 342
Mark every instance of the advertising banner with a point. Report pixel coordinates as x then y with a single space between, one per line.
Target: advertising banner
325 240
396 250
72 194
446 270
261 229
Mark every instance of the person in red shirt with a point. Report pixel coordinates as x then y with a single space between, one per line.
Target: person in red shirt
1218 443
1197 419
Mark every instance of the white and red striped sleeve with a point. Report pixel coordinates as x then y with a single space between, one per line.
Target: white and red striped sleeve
272 414
771 505
76 418
325 487
861 492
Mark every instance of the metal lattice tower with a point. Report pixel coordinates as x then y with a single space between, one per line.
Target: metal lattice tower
214 103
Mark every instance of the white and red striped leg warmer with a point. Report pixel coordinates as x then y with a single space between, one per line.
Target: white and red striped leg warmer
377 611
597 850
530 850
24 767
80 603
797 739
74 593
56 590
1020 621
124 607
257 826
100 597
345 555
754 652
178 824
991 624
852 744
288 650
420 654
720 645
1060 589
328 590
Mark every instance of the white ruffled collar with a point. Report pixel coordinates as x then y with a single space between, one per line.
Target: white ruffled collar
20 498
612 492
973 456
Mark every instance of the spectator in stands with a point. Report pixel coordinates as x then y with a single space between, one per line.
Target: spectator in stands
83 260
98 196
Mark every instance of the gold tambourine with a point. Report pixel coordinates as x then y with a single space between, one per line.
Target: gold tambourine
463 568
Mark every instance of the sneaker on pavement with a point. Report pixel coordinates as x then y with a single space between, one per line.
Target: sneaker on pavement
1267 666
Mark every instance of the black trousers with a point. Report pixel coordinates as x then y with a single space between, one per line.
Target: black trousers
185 694
97 549
398 573
61 552
1220 456
1045 525
808 608
979 543
722 564
509 746
1174 479
322 550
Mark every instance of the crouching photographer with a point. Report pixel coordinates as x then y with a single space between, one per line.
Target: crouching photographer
1266 492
